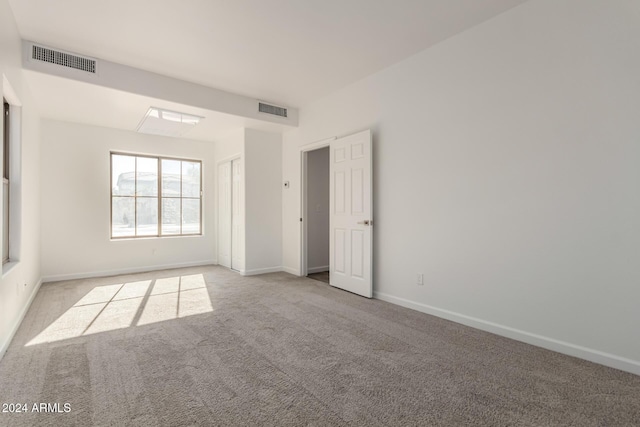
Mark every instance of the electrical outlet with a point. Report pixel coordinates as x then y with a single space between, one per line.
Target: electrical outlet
420 279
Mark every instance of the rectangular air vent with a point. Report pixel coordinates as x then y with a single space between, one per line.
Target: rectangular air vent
57 57
272 109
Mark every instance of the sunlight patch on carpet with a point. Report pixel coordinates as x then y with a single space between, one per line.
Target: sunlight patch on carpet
125 305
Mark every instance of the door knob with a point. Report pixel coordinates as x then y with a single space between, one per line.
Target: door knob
366 222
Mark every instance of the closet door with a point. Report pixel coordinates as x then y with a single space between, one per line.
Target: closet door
224 214
237 216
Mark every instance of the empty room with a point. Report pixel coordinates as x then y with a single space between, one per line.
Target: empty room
338 212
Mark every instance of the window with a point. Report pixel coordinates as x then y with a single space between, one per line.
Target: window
155 196
5 183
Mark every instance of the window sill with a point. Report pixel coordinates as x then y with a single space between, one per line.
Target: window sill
129 239
6 268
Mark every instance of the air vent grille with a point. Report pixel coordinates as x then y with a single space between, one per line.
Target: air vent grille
272 109
51 56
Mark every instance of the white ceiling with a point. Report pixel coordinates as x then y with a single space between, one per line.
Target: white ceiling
289 52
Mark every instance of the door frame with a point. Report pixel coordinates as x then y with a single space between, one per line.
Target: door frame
304 151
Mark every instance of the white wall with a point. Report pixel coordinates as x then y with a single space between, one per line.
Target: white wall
506 170
231 146
21 278
75 204
263 198
318 210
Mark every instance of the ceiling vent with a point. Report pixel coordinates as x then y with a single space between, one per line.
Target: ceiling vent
44 54
272 109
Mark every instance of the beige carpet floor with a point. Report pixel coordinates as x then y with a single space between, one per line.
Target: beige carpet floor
205 346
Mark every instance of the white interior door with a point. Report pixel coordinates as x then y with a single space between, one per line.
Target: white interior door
237 216
224 214
351 208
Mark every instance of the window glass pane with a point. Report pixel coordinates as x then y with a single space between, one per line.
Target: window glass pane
5 221
147 215
123 216
123 169
135 198
190 216
171 178
5 138
171 216
190 179
147 176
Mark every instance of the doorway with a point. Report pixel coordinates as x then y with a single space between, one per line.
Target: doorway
317 199
230 217
350 212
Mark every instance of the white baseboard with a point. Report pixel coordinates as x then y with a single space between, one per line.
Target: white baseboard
321 269
257 271
116 272
580 352
290 270
19 319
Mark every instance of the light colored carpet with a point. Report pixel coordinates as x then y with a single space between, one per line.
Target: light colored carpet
205 346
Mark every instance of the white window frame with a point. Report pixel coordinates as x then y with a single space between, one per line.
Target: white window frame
159 197
15 175
6 182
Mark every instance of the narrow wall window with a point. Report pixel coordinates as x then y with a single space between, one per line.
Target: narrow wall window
5 182
155 196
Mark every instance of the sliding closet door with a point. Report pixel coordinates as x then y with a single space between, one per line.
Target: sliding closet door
224 214
237 216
